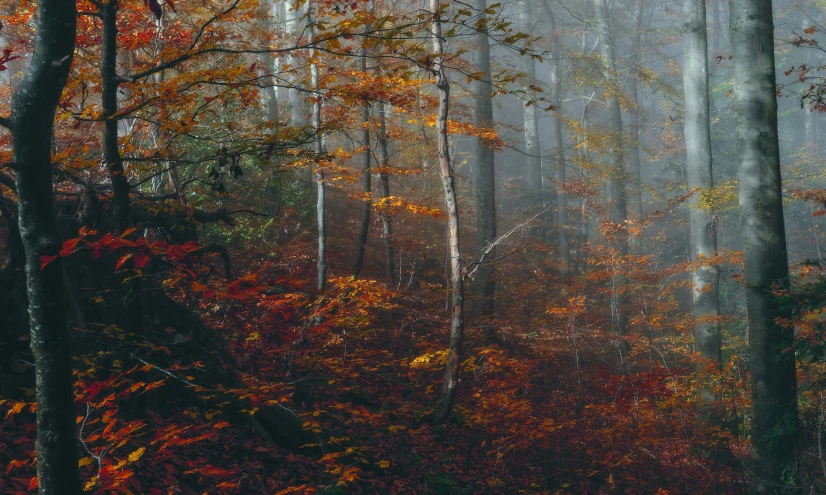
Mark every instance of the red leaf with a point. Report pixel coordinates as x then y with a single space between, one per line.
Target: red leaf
69 247
45 260
140 260
819 213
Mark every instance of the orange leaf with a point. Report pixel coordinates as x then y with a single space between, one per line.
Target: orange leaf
123 259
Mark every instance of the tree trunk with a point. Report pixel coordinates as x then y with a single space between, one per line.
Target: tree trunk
533 160
32 114
634 117
697 131
109 101
485 191
361 242
457 325
560 172
616 189
716 26
384 162
132 318
318 149
774 425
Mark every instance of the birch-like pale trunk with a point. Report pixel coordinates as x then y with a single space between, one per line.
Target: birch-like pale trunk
697 132
31 119
294 27
268 67
450 385
318 149
774 420
485 190
533 160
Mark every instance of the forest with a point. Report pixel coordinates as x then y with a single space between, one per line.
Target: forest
412 247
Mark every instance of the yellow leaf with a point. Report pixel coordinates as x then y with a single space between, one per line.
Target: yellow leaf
384 464
85 461
134 456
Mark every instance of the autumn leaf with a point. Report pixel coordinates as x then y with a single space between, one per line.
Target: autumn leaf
134 456
45 260
85 461
140 260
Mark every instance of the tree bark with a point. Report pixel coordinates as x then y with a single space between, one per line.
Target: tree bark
485 190
361 242
616 189
560 172
774 425
318 149
32 114
109 101
697 131
635 167
533 159
133 316
384 163
457 325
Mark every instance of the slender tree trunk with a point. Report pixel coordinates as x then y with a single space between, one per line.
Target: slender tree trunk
295 27
533 160
33 108
635 166
133 299
697 131
109 100
386 220
774 424
318 149
563 244
716 26
616 188
361 242
485 190
457 325
267 68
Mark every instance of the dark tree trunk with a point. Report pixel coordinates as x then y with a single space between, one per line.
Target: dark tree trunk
32 115
132 318
384 162
774 423
361 242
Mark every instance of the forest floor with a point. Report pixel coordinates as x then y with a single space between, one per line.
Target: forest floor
551 407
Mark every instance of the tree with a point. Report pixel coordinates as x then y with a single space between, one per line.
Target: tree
450 385
318 150
530 124
32 114
697 130
772 364
616 188
485 174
